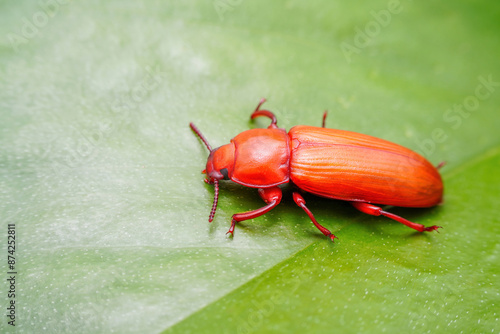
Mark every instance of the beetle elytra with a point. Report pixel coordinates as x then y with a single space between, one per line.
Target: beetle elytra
336 164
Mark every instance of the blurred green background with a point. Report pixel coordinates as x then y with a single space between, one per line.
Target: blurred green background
101 173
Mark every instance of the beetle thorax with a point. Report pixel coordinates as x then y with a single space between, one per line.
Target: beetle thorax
262 158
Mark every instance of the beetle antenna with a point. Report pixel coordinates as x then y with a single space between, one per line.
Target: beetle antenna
202 137
216 182
216 199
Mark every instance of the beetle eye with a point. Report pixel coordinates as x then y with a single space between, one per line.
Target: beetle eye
223 171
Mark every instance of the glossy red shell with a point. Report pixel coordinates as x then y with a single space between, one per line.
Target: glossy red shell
261 158
351 166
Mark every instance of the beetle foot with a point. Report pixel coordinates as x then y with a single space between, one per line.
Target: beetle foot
231 234
332 237
431 228
231 229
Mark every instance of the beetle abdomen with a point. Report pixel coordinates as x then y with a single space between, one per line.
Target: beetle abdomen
351 166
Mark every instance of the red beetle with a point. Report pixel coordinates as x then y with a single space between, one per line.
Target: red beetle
336 164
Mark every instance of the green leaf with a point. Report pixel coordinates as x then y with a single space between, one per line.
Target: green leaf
379 278
100 172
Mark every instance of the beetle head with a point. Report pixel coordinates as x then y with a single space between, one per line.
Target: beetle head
219 165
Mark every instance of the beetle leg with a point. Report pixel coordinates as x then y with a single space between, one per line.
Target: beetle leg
272 197
441 164
266 113
324 119
377 211
299 200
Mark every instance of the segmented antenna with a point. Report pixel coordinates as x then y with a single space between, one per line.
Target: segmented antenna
216 182
216 199
202 137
